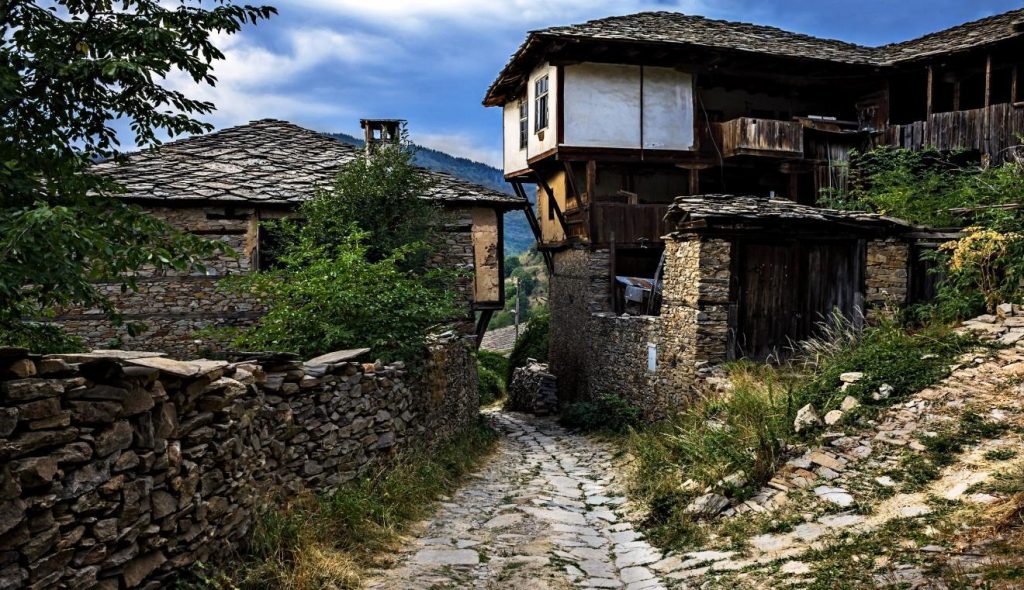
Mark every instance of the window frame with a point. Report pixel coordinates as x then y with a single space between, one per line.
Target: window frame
541 104
524 123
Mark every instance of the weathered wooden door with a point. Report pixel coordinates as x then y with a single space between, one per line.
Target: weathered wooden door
769 302
786 289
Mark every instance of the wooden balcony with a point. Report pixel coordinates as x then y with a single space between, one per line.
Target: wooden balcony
631 224
993 130
747 136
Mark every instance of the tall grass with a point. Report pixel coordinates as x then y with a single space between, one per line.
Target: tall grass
319 542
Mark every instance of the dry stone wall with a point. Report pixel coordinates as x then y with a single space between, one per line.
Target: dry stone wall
886 274
118 470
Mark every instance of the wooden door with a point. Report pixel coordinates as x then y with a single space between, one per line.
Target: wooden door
768 298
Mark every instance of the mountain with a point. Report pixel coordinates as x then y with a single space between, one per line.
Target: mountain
518 235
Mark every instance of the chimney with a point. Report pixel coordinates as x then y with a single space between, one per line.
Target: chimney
381 131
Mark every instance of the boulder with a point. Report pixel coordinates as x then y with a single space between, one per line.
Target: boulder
851 377
708 505
834 417
883 393
849 403
806 419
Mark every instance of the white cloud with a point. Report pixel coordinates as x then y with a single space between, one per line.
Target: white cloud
460 144
488 14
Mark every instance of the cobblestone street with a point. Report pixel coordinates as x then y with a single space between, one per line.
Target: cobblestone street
545 513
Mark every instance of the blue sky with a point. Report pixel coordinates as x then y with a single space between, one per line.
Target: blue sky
324 64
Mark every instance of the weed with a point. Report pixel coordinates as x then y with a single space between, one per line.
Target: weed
607 413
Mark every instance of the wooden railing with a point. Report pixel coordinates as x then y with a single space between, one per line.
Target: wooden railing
747 136
993 131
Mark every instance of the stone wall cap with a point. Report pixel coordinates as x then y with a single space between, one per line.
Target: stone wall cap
179 368
338 356
101 354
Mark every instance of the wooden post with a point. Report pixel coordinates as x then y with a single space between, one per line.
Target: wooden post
956 95
591 182
988 80
517 309
1013 86
694 181
611 272
931 79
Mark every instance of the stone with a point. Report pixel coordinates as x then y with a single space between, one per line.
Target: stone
851 377
163 504
94 412
806 419
883 393
35 472
795 568
8 420
834 417
22 368
136 570
837 496
338 357
21 390
443 557
12 513
116 437
708 505
28 442
849 403
1004 310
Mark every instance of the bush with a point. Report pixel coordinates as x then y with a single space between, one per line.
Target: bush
43 338
489 385
607 413
532 343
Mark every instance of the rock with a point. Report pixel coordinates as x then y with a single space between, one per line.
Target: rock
824 460
139 568
94 412
834 417
22 368
708 505
1011 338
163 504
8 420
849 403
39 409
28 442
851 377
115 438
986 319
21 390
11 514
447 557
837 496
1004 310
338 357
35 472
806 419
883 392
137 401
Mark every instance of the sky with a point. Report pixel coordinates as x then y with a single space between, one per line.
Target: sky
324 64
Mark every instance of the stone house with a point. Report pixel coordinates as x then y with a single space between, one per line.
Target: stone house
222 185
632 128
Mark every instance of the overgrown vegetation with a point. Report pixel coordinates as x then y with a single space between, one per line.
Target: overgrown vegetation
608 413
733 441
532 344
491 368
526 280
325 542
347 279
986 266
65 78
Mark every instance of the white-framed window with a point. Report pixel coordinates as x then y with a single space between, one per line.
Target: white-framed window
540 104
524 123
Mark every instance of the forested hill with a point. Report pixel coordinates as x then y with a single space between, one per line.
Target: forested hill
518 236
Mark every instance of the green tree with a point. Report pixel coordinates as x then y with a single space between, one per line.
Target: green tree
347 279
71 72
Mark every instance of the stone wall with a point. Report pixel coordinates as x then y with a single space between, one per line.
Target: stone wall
117 471
578 288
885 276
175 307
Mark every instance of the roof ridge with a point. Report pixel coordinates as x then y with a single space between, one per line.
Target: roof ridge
970 23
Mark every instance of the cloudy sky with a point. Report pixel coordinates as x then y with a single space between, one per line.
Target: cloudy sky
325 64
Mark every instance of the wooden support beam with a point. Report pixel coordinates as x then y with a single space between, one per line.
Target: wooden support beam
611 272
956 95
553 204
481 325
531 218
571 177
931 89
988 80
591 181
1013 85
694 181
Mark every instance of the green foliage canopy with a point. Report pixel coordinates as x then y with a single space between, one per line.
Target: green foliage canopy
69 71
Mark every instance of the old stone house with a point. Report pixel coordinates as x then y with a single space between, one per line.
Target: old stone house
222 185
622 122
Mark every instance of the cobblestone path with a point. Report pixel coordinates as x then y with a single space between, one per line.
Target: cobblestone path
545 512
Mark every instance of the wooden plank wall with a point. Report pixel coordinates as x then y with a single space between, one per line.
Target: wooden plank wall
988 130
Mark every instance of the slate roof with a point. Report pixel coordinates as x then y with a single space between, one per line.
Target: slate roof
266 161
733 209
673 28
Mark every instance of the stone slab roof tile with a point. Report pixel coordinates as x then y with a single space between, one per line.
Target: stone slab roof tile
266 161
739 209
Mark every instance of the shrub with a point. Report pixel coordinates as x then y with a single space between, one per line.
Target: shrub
532 343
607 413
489 385
39 338
493 361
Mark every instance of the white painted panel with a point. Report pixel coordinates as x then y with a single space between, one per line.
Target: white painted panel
668 109
602 105
547 138
515 158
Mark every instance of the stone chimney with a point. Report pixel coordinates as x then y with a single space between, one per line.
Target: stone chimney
381 131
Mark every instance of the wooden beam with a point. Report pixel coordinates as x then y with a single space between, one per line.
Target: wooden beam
571 177
956 95
611 273
481 325
931 88
553 204
1013 85
694 181
988 80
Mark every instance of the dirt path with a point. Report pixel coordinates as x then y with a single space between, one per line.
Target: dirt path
546 512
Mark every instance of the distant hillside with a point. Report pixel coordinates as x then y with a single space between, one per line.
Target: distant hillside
518 236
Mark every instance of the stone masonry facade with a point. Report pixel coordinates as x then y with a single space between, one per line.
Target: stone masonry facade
656 362
120 469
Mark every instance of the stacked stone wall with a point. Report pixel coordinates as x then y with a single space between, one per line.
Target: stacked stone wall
886 275
118 472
